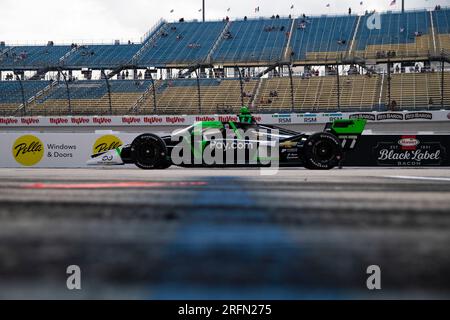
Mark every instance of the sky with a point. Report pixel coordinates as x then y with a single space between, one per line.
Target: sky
102 21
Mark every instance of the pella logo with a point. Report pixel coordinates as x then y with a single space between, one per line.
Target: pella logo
28 150
374 21
105 144
409 143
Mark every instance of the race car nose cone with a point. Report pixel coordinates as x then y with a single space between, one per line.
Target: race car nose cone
110 158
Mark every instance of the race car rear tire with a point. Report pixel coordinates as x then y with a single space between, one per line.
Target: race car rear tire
149 151
323 151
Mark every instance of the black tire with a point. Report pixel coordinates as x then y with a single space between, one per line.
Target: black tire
149 151
322 151
164 165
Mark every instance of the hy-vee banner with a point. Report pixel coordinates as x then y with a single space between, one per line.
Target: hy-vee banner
271 119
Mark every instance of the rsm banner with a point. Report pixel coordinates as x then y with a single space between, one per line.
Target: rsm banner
47 150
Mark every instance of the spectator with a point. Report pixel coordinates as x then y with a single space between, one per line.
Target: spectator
350 11
245 18
430 103
393 105
277 17
228 35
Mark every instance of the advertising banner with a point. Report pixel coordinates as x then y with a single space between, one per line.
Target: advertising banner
56 150
401 151
183 120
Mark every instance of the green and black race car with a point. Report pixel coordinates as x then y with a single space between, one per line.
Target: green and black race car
236 144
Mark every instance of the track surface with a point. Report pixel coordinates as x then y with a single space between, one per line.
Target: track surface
186 234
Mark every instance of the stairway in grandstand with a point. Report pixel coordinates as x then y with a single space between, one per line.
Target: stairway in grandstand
11 94
90 97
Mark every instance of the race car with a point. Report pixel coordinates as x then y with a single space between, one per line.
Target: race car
241 143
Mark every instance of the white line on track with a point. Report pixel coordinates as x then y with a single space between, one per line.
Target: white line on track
418 178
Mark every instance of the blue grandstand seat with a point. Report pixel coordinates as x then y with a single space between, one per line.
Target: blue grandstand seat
95 89
11 91
396 28
322 34
102 56
182 42
187 83
441 19
32 56
251 41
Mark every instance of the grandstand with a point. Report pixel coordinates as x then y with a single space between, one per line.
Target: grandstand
322 38
253 42
100 56
216 96
90 98
408 35
178 44
319 94
405 61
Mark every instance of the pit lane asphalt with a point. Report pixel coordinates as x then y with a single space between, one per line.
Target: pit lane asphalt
217 234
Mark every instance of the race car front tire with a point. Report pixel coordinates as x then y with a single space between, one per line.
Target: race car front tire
149 151
323 151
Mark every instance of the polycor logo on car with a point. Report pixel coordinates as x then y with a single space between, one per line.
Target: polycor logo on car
409 142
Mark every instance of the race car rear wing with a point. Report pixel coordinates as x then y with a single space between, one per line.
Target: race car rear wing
346 127
347 131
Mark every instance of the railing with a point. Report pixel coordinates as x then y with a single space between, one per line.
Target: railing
155 27
156 32
218 41
63 58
